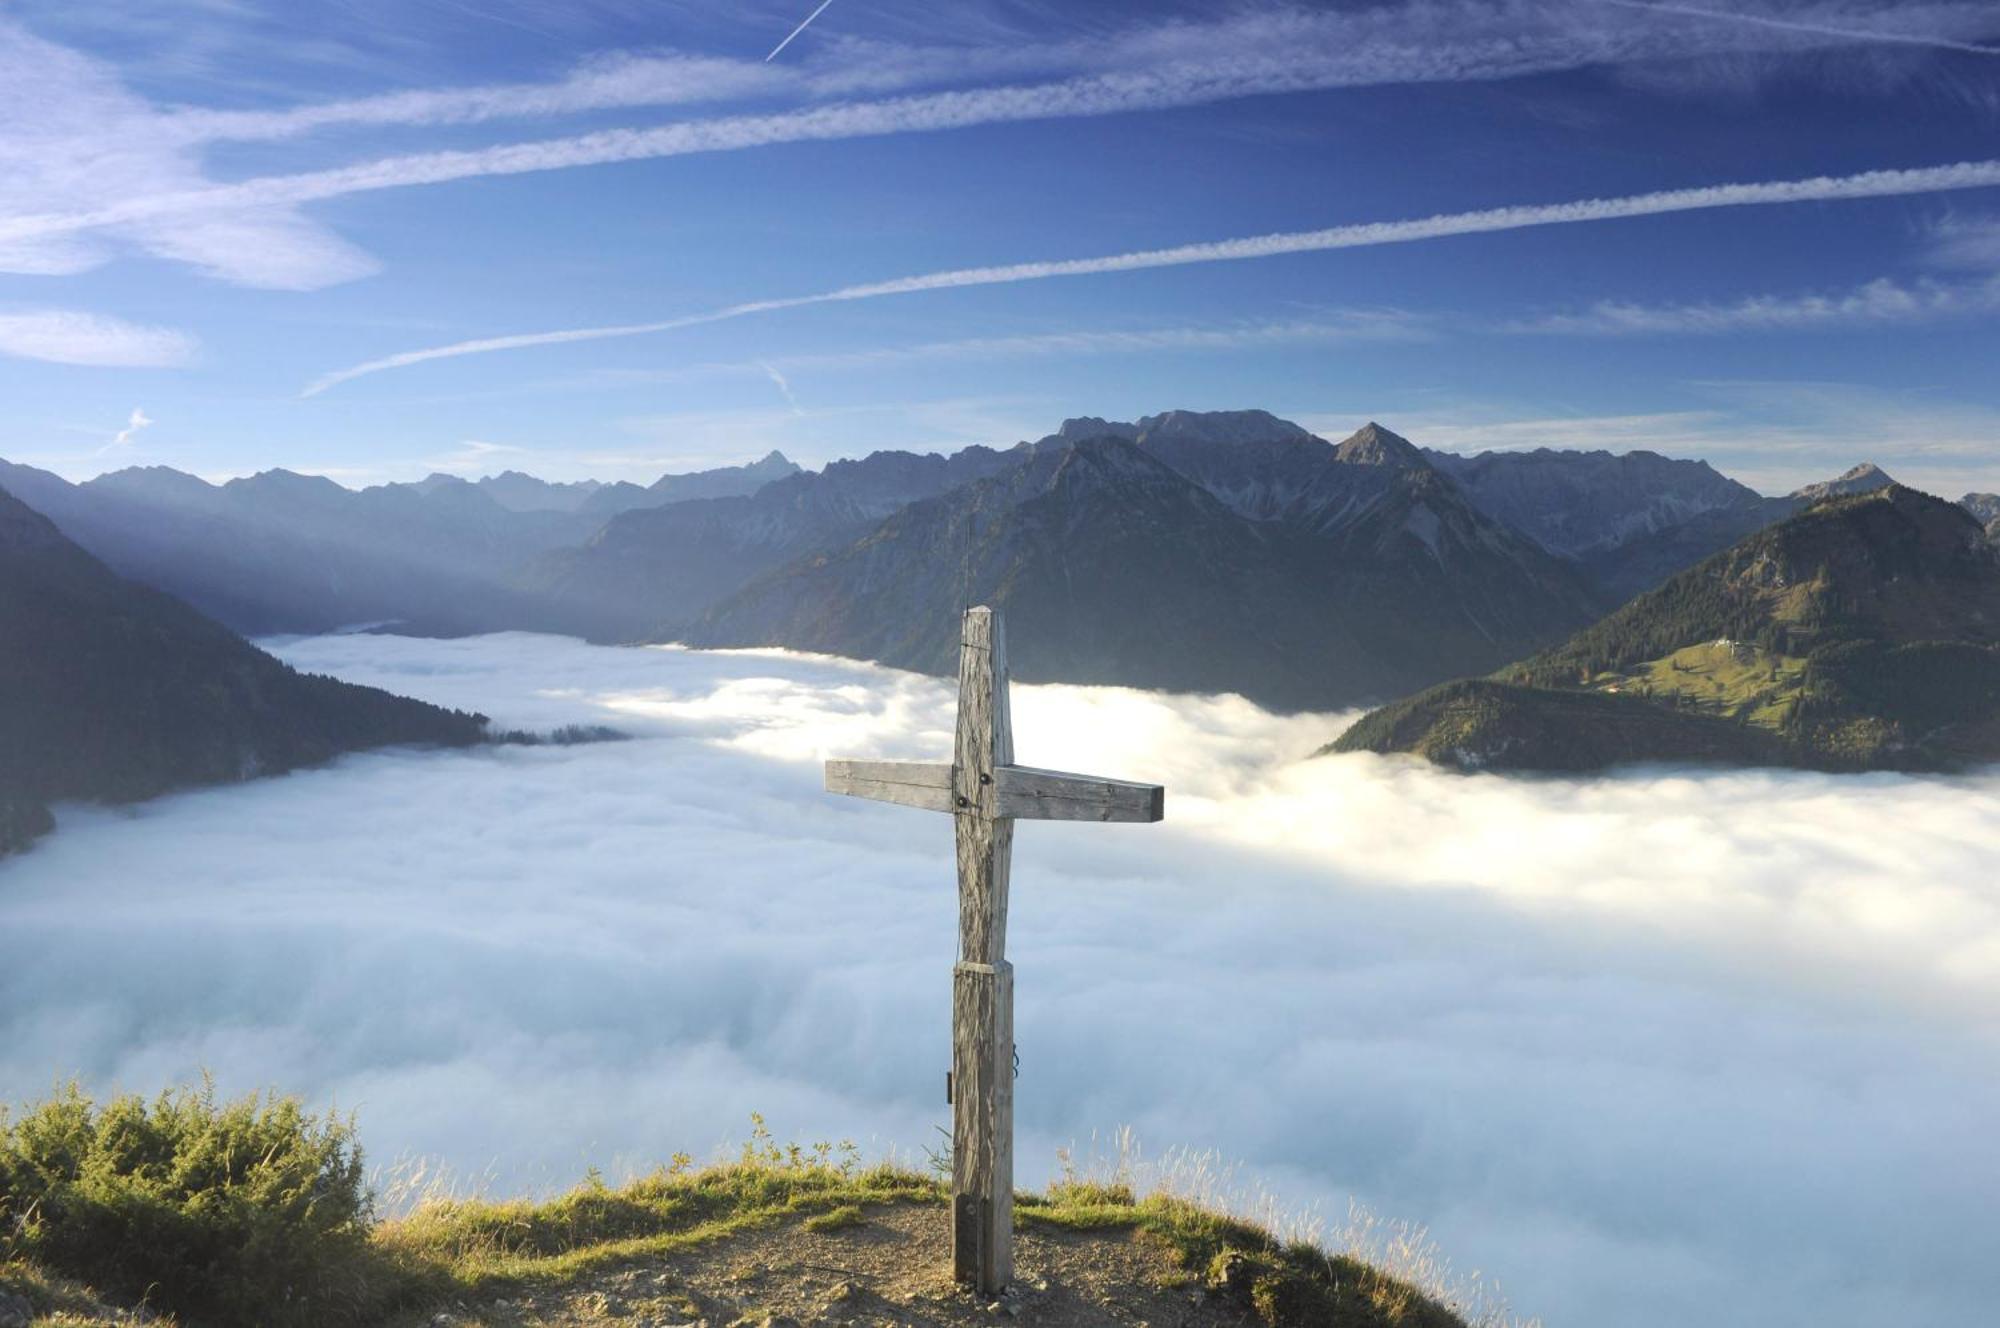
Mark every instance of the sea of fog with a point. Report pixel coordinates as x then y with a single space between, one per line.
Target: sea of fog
1661 1049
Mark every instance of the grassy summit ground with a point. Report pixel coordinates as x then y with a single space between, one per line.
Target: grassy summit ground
255 1213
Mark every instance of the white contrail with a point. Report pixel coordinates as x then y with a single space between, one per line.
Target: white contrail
1104 94
1813 29
1173 84
1869 184
796 31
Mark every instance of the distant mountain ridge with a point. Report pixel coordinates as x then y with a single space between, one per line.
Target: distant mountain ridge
1863 633
284 552
112 691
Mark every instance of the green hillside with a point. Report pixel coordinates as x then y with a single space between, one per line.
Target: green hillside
1862 634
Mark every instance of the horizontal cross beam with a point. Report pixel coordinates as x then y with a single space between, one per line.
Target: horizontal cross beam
1020 792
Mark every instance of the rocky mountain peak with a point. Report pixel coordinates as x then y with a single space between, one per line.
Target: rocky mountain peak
1091 426
1864 478
1213 427
1373 445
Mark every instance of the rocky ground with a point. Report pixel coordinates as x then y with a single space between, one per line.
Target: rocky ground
891 1268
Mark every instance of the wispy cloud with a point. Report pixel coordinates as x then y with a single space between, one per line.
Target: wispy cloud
69 336
1340 325
78 141
134 422
616 81
1961 241
1879 302
1869 184
778 380
145 187
1427 41
472 454
1806 25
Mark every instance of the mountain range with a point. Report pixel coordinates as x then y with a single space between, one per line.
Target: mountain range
1211 551
1206 553
281 552
112 691
1863 633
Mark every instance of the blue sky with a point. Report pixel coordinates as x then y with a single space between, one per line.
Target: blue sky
213 213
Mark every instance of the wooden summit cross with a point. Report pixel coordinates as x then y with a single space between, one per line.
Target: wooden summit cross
986 793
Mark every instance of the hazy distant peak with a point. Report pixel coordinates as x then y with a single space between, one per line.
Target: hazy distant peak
281 480
128 473
518 491
156 483
1864 478
1373 445
726 481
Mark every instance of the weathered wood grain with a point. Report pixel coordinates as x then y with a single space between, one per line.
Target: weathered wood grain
925 784
982 1136
1049 795
983 982
984 742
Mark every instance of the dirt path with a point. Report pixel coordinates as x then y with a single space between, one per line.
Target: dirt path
890 1269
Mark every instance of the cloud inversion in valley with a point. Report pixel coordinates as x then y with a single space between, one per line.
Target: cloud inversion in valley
1640 1048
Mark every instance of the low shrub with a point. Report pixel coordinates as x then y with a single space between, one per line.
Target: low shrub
247 1211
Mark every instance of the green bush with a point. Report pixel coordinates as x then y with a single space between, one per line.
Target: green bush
249 1211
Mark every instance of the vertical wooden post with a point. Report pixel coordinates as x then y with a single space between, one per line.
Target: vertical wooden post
982 1003
985 791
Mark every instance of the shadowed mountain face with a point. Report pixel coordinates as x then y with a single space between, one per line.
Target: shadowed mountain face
1582 503
1256 559
650 571
1861 634
112 691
